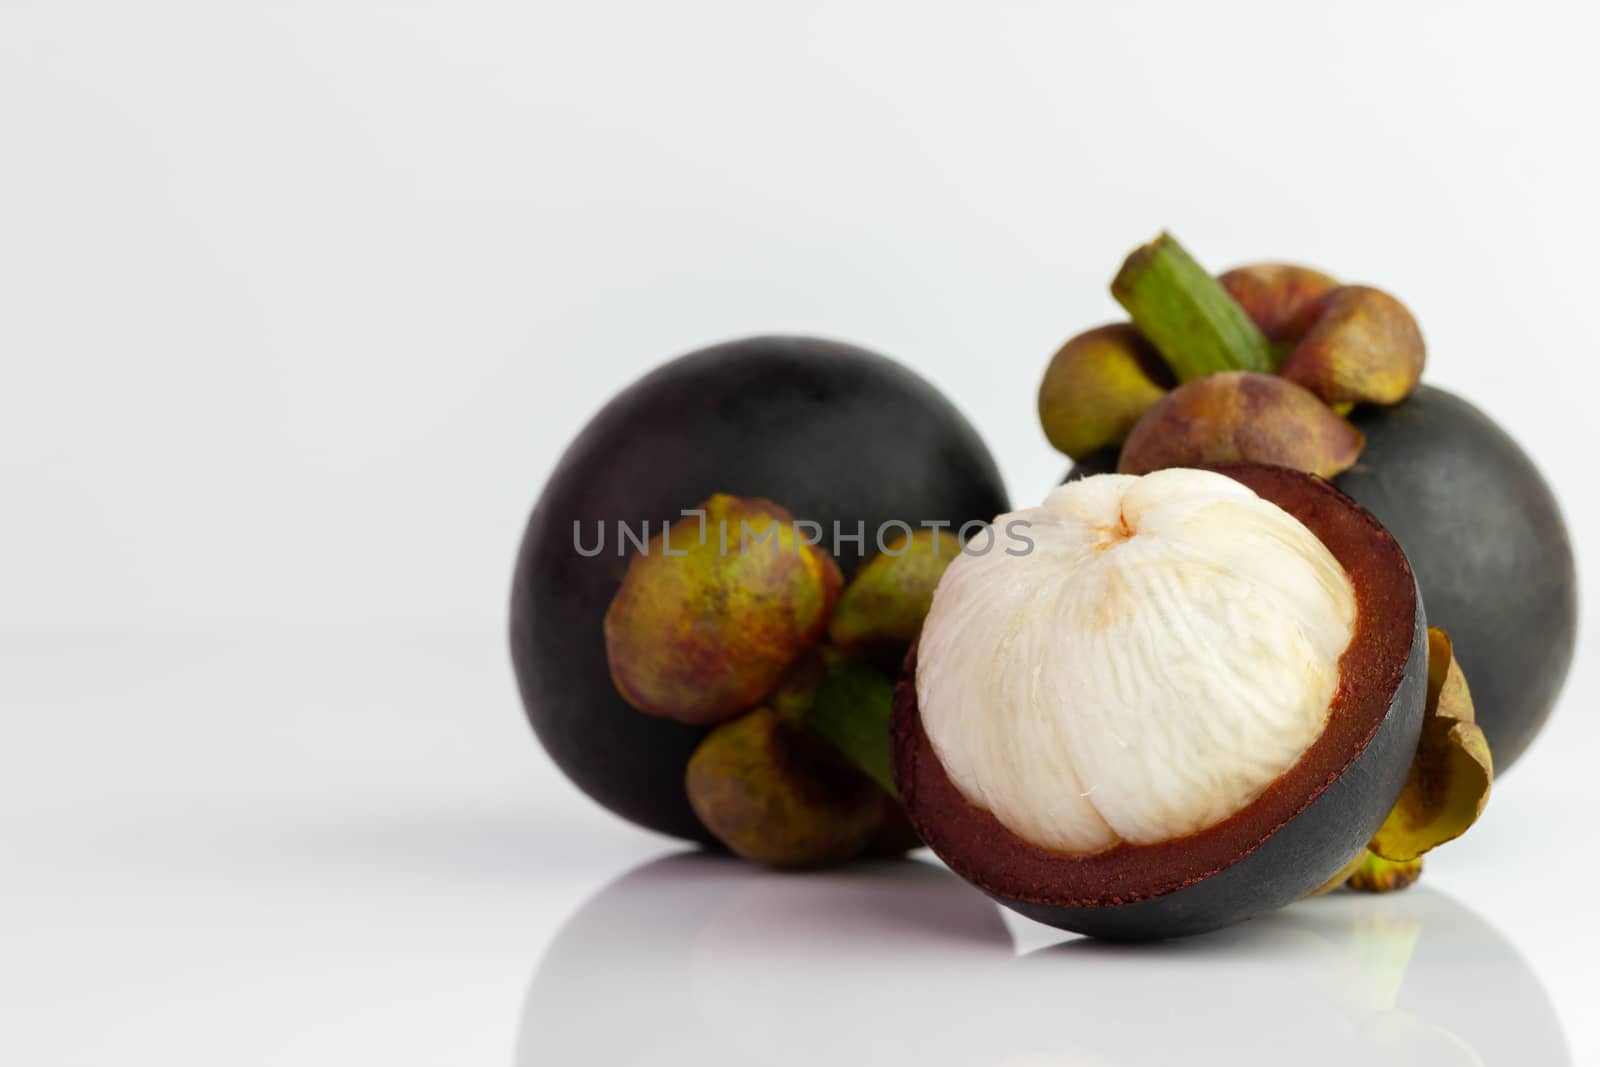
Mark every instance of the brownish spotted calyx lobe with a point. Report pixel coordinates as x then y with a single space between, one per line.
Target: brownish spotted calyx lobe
1241 417
777 794
1096 387
716 610
1276 296
1451 773
888 598
1362 347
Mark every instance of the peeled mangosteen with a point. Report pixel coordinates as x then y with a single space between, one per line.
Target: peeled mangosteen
838 436
1486 538
1193 700
1491 552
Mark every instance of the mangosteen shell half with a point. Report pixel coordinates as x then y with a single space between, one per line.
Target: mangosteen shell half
833 433
1327 806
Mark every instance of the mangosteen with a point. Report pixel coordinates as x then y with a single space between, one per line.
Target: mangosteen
852 443
1193 700
1338 396
1490 548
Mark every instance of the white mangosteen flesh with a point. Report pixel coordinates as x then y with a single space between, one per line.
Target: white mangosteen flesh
1168 648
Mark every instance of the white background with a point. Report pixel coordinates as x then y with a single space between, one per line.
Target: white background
300 301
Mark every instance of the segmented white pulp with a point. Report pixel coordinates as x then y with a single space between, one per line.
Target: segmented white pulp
1168 648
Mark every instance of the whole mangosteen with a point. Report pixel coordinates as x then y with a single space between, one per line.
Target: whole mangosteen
1281 364
1490 548
848 441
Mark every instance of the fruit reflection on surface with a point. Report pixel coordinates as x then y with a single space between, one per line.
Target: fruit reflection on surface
703 959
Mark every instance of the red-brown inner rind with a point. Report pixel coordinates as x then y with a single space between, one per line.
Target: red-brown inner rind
979 848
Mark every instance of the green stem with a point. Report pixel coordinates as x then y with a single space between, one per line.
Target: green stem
852 710
1186 313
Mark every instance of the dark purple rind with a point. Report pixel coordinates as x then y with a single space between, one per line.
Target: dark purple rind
1286 843
829 431
1491 551
1297 859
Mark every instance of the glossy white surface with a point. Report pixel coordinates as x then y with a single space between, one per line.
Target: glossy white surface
270 851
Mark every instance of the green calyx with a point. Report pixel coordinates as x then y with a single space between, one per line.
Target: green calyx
1445 792
716 610
1375 874
1187 314
776 794
1451 773
886 601
1097 386
851 710
804 780
755 637
1299 350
